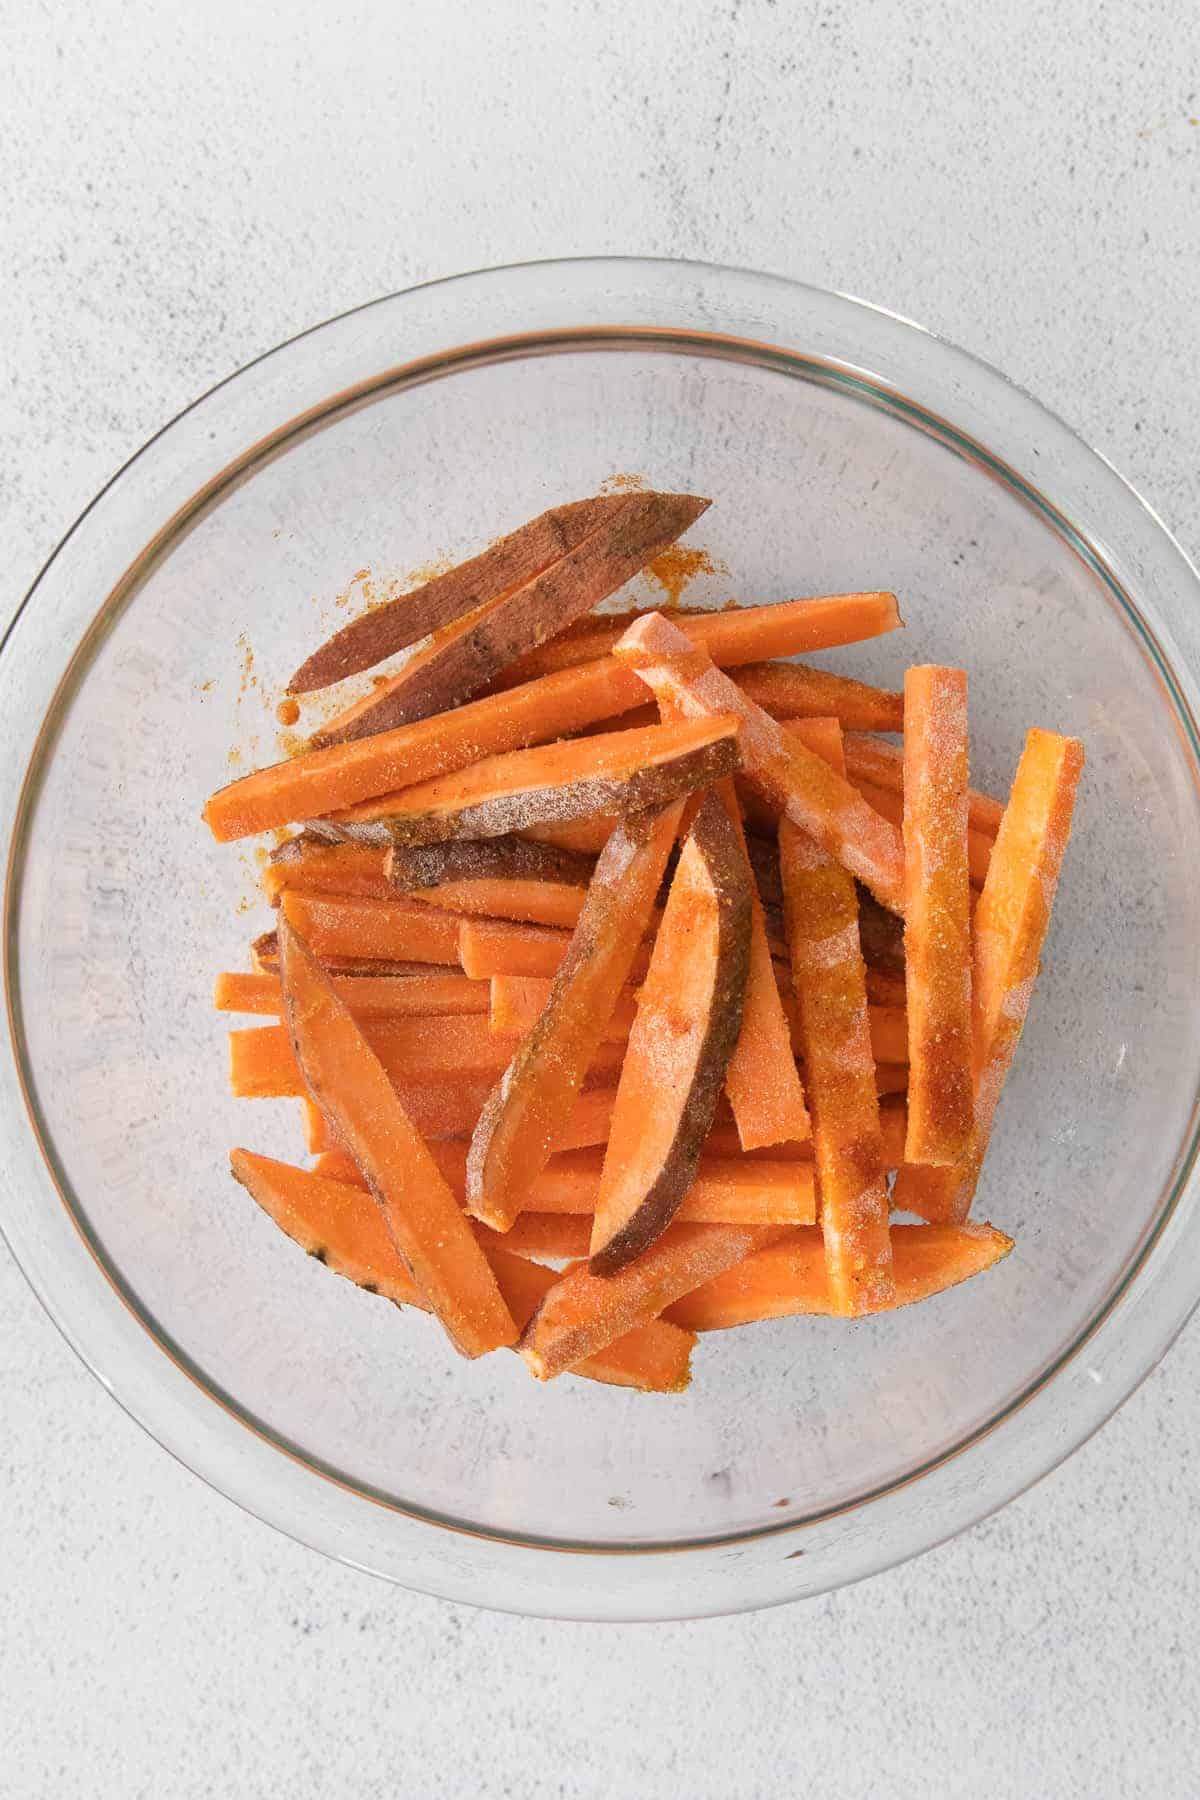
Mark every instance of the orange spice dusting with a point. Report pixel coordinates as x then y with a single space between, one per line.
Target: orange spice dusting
288 711
676 567
619 483
206 687
291 743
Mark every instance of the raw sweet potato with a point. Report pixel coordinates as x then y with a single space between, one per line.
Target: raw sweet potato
582 1312
264 960
621 772
807 791
336 926
799 691
415 868
412 1050
524 1119
890 805
727 1189
840 1073
430 995
505 565
348 1082
740 634
688 1020
586 837
792 1277
342 1226
468 654
1011 922
310 865
523 899
490 947
937 915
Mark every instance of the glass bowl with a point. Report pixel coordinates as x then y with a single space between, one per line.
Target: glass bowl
844 448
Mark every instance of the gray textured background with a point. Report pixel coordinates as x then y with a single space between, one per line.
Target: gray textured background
182 186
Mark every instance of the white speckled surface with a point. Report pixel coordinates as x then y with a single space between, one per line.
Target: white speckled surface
184 186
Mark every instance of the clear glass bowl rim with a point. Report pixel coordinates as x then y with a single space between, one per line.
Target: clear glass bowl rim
1127 1334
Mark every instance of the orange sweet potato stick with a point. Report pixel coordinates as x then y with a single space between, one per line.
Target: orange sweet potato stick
311 866
524 1120
412 1051
792 1277
349 1084
937 915
340 1224
441 1111
582 1313
806 790
874 760
730 1189
504 566
583 836
798 691
743 634
348 926
432 995
516 897
831 997
1011 922
490 947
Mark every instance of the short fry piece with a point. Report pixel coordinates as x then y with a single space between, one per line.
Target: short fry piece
582 1312
792 1277
348 1082
831 1000
526 1115
337 925
811 794
937 915
799 691
490 947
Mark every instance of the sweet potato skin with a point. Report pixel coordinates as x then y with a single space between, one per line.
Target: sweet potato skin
413 866
713 848
513 560
640 528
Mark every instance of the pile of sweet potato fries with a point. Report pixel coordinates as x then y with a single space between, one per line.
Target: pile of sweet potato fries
614 941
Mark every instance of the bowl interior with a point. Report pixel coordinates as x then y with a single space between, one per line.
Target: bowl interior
127 910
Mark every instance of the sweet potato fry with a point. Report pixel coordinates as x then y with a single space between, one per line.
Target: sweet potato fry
415 868
264 960
585 837
431 995
688 1020
504 566
806 790
937 915
582 1312
341 1225
348 1082
1011 922
337 926
840 1073
524 1120
727 1189
468 654
411 1050
799 691
491 947
519 898
792 1277
742 634
874 760
621 772
309 865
